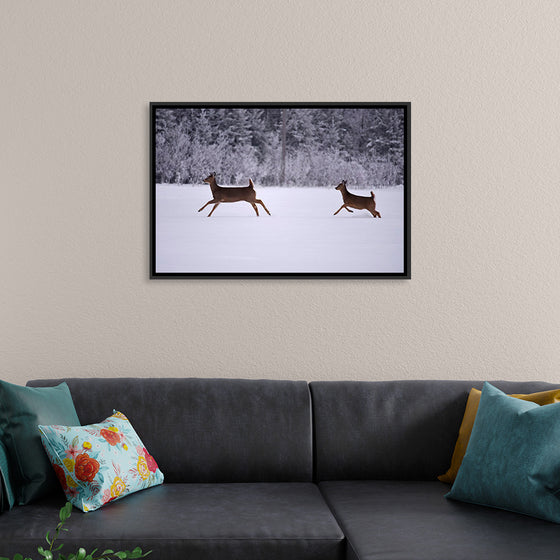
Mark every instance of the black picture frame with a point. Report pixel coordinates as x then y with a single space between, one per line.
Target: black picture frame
186 136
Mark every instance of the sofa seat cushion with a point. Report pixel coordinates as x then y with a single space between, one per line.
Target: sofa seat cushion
192 521
413 521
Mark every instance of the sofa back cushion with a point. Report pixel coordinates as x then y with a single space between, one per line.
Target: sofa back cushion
208 430
393 430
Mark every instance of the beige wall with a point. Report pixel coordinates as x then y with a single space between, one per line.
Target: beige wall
483 78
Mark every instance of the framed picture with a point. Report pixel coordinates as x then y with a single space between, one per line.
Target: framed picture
280 190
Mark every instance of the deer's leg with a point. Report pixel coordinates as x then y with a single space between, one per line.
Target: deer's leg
258 201
254 207
209 202
343 206
215 206
348 209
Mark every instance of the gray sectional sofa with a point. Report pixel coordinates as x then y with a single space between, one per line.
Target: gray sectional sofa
270 470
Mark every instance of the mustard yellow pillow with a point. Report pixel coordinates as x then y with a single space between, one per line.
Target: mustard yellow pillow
541 398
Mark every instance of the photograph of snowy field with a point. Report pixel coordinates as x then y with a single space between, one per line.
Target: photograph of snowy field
277 189
301 236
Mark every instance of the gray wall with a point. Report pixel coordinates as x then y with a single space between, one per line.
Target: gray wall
76 80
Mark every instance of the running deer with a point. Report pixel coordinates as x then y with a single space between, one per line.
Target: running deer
232 194
357 202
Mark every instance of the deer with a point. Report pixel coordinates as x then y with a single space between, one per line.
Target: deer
358 202
232 194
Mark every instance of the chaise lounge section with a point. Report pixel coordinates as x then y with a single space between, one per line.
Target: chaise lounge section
379 449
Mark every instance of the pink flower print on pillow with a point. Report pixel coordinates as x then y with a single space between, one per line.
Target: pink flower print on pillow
152 465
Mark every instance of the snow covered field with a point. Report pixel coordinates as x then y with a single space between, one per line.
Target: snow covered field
301 235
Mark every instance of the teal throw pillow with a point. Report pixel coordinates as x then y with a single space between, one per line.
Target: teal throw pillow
99 463
7 498
21 410
513 457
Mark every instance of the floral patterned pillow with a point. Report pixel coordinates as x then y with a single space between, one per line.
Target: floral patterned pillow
99 463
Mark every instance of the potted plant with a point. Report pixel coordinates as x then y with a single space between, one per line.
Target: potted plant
53 553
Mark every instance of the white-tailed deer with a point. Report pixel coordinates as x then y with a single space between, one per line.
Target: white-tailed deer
357 202
232 194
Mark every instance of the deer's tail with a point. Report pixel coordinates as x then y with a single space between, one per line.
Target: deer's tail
372 195
251 183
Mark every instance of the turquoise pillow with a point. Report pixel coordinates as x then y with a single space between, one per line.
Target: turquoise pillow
513 457
21 410
99 463
6 489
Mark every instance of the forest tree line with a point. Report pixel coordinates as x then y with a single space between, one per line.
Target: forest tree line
280 146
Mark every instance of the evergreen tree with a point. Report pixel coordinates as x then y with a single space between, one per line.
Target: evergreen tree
281 145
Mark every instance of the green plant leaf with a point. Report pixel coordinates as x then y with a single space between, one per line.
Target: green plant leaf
46 554
18 557
65 512
104 553
121 555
